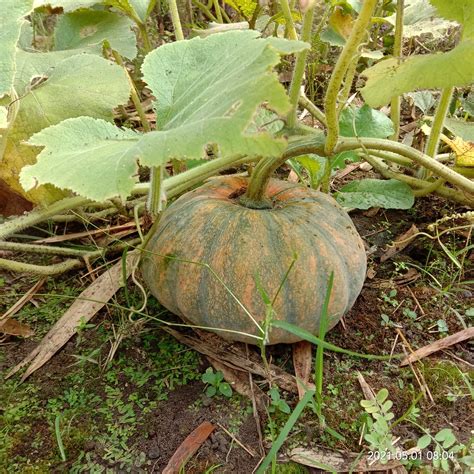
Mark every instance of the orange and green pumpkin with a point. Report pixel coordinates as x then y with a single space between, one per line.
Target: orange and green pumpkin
247 249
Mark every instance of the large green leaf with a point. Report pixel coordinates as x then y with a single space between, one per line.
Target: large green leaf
67 5
12 13
207 92
364 122
366 193
420 19
465 130
88 29
106 165
393 77
96 87
461 11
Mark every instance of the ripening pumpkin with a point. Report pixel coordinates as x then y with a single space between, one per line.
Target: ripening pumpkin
250 249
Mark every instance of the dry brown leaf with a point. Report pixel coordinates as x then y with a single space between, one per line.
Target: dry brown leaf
302 360
188 447
84 308
439 345
23 300
15 328
366 388
11 203
400 243
339 462
232 355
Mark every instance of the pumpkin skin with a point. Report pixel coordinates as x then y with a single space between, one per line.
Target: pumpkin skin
210 226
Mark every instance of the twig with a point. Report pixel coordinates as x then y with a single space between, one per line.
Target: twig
231 436
23 300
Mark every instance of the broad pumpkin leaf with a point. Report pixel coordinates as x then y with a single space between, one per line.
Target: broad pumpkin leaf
66 5
366 193
88 29
95 89
392 77
364 122
12 13
103 151
420 18
465 130
207 93
33 66
461 11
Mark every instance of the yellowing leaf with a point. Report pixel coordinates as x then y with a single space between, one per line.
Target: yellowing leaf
341 22
94 89
245 7
463 150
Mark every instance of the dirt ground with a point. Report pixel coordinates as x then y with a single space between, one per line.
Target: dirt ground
132 413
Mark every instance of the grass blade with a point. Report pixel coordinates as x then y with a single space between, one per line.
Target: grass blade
308 396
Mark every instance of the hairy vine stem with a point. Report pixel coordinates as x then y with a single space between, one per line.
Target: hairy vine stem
340 69
300 65
397 52
313 109
438 122
178 29
290 24
267 166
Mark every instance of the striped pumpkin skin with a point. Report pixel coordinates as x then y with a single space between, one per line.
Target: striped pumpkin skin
207 229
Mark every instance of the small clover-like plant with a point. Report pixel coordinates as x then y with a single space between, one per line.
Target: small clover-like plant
215 383
277 403
378 434
447 453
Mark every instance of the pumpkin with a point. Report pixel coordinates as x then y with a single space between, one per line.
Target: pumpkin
210 256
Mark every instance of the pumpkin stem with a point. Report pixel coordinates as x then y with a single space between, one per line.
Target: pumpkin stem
255 196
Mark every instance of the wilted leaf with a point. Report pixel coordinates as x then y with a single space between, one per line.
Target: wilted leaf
88 29
95 89
420 19
207 92
341 22
12 13
364 122
366 193
464 151
15 328
393 77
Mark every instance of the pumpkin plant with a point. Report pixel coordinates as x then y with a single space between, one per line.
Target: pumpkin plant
218 101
